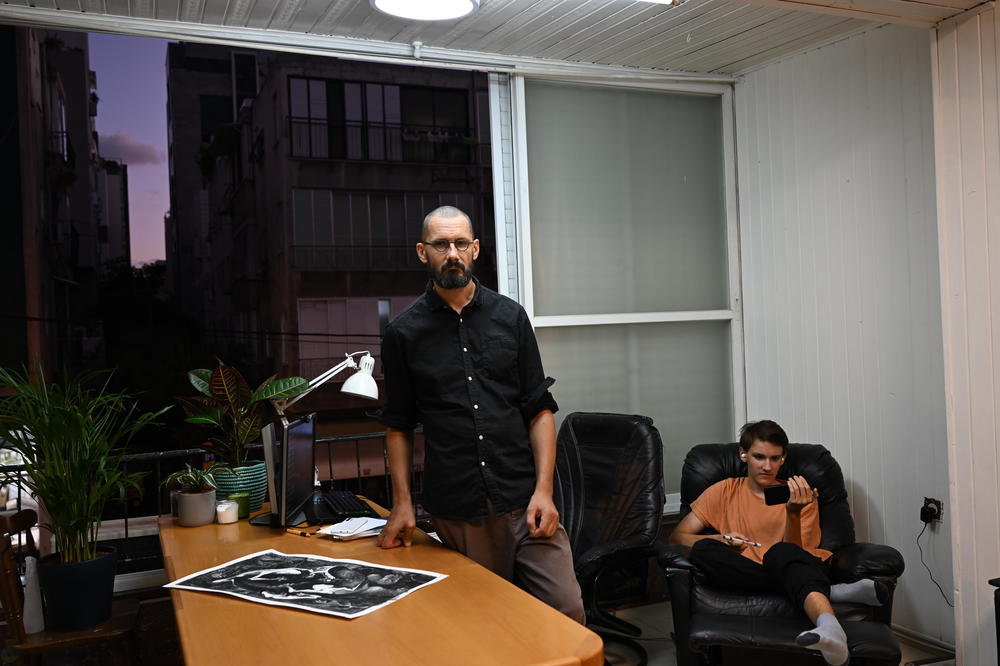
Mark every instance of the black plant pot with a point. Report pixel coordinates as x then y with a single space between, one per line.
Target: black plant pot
78 595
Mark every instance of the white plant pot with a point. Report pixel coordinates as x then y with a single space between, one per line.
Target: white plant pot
194 509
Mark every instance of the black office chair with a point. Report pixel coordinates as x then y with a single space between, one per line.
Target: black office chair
713 624
609 491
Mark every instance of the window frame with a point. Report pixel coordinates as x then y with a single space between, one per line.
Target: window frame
522 234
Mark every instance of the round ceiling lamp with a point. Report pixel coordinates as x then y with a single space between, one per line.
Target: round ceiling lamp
426 10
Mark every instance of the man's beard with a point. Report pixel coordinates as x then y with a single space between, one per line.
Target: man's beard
447 279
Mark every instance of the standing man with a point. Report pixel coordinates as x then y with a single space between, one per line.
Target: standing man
760 548
463 361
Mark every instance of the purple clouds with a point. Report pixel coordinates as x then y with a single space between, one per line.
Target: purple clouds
123 146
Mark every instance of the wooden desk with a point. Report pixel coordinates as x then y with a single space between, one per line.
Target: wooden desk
471 617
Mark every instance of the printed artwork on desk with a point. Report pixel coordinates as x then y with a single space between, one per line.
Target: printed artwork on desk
345 588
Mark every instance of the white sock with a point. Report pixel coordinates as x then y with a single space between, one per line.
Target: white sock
829 638
864 591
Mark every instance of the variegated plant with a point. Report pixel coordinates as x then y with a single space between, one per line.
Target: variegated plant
228 406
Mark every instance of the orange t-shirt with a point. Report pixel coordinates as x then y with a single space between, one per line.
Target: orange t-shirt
730 506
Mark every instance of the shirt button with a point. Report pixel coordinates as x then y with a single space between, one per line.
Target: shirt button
475 406
465 349
460 320
482 463
470 379
480 437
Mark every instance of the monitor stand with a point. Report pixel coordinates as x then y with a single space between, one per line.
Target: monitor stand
266 520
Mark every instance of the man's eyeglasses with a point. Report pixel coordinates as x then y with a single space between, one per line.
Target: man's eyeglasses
441 245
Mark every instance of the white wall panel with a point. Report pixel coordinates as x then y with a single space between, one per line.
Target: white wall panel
967 133
840 284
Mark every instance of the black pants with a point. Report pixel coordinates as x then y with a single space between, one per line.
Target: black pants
786 567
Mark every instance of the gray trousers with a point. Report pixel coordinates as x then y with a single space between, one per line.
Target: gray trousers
542 567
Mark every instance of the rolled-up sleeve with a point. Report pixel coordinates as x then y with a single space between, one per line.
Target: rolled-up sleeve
534 384
400 410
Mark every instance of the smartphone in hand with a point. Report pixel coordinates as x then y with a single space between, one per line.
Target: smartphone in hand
777 494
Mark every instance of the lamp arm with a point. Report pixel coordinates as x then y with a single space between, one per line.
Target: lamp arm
284 403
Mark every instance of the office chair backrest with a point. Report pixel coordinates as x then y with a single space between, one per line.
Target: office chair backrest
11 592
609 479
706 464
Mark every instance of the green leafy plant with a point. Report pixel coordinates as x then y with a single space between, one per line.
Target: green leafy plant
228 406
70 441
195 479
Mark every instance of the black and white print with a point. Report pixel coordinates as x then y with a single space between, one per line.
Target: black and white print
345 588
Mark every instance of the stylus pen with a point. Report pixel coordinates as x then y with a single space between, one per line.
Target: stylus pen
729 538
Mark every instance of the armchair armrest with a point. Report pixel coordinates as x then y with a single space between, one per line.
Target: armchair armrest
612 552
866 560
675 561
676 556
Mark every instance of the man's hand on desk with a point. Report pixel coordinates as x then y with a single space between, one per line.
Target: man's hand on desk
542 516
398 530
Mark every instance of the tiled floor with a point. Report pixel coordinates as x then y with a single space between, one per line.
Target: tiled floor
657 624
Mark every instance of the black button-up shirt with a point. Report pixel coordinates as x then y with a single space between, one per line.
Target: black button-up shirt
475 381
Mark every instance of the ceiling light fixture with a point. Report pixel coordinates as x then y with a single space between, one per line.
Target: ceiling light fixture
426 10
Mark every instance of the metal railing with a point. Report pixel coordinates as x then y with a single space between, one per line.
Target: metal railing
364 471
386 256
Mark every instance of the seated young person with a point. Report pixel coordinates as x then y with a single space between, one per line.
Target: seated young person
760 548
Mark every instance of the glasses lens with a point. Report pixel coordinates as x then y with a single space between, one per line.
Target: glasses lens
442 245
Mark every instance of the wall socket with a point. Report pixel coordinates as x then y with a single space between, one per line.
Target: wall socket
932 510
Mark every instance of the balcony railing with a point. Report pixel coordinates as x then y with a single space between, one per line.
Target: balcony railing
386 256
356 462
382 142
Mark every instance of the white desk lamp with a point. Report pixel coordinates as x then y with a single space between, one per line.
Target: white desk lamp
360 384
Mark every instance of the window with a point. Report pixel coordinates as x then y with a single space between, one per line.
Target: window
381 122
309 124
372 121
436 125
629 256
57 121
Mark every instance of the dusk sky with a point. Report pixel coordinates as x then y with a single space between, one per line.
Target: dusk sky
132 123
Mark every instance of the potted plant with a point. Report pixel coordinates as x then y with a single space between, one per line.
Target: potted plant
228 406
195 493
70 441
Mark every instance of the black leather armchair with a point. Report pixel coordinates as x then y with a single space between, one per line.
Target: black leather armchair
609 491
709 621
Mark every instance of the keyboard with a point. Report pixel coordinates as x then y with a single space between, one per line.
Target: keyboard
346 503
333 506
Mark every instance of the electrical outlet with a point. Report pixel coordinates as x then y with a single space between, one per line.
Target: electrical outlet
932 510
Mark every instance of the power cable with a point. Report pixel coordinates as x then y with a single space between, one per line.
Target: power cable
929 572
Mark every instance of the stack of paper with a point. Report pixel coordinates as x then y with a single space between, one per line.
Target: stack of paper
354 528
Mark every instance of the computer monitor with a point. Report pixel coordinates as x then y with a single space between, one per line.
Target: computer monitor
298 465
290 457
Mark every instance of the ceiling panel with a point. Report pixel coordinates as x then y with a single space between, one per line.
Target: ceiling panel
781 47
166 10
720 23
708 36
733 39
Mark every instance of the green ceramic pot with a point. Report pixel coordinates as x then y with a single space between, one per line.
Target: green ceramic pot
250 478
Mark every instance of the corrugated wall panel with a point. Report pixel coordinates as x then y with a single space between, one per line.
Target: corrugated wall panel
840 284
967 132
